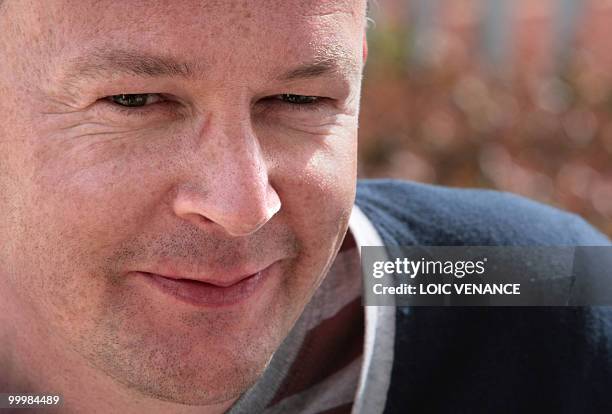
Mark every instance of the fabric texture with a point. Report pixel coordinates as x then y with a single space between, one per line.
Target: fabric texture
483 360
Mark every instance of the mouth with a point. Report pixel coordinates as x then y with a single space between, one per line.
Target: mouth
209 293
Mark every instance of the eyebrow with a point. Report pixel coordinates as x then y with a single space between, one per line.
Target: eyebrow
320 67
101 62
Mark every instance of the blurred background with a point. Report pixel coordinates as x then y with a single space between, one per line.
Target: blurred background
514 95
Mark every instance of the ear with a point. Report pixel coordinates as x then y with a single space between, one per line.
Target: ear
365 48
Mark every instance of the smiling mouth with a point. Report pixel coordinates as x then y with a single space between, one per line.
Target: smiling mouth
207 294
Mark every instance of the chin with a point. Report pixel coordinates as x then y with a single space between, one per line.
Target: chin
185 371
191 358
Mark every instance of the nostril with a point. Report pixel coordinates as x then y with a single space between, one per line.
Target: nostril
244 229
240 202
273 202
200 219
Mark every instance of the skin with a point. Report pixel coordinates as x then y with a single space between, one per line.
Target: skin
219 175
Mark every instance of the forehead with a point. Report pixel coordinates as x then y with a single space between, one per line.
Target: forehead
222 33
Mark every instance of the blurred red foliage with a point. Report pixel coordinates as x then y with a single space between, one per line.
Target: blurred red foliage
540 127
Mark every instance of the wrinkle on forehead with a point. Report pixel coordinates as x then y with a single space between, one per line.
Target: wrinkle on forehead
326 8
227 34
99 18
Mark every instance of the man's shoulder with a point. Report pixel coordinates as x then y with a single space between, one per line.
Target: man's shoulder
412 213
498 359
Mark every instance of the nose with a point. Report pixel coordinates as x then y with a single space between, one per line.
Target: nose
228 184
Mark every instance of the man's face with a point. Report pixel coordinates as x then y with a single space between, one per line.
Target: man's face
217 165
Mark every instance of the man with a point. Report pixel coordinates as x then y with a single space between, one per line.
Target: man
176 180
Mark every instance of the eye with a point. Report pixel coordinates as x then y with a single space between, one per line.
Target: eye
134 100
298 99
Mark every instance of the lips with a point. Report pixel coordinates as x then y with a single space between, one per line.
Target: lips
209 292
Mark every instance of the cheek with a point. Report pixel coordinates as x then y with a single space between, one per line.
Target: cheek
72 220
74 216
315 171
87 206
318 194
99 195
